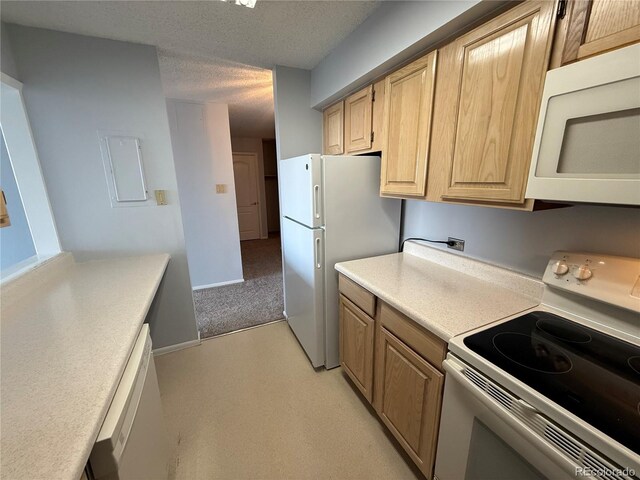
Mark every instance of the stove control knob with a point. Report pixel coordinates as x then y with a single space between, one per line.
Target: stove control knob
583 272
560 267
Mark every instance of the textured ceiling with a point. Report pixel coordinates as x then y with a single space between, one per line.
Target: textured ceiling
247 90
203 44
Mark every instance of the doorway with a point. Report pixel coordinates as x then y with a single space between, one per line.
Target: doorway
245 174
259 298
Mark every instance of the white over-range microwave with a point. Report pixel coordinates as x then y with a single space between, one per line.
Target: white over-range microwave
587 145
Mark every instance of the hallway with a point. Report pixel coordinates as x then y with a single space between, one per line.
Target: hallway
258 300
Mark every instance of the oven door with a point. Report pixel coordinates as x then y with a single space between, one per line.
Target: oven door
587 145
488 433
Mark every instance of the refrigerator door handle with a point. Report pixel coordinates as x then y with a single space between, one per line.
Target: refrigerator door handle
316 201
317 252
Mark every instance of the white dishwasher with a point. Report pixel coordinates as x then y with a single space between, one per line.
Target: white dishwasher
132 443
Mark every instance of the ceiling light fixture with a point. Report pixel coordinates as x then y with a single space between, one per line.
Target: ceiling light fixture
244 3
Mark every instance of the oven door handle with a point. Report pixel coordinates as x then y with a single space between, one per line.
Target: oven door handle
455 370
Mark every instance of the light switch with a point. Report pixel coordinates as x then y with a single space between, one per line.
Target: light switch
221 188
161 198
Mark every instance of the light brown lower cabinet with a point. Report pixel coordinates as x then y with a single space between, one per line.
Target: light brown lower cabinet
356 346
395 364
408 397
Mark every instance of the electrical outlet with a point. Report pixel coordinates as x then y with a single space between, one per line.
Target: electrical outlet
459 244
221 188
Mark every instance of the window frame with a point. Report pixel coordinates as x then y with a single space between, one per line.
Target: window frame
23 155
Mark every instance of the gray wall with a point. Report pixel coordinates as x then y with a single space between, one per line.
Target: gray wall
7 63
524 241
395 32
202 151
16 243
298 126
74 86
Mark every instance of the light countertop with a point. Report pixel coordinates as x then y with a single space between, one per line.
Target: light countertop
66 334
445 293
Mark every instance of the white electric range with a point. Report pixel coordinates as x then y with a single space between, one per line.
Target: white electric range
553 392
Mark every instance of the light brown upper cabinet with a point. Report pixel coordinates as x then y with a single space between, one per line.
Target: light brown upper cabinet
358 114
333 130
596 26
487 100
378 116
407 128
363 118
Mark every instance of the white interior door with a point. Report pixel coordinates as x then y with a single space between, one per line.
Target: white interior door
245 173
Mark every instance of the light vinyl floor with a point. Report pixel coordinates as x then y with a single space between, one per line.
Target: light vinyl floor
250 406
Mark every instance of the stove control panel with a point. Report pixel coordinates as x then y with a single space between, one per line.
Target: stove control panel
607 278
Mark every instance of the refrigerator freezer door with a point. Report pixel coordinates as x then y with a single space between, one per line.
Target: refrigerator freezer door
303 250
301 189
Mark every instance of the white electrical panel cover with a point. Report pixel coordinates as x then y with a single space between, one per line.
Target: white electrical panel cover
124 169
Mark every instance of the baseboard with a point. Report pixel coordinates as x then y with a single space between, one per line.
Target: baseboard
174 348
245 329
219 284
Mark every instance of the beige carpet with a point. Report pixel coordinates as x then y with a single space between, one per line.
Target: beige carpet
258 300
250 406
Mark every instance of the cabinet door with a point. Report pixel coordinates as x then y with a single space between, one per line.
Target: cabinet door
357 120
356 346
407 128
489 88
333 130
596 26
408 398
378 116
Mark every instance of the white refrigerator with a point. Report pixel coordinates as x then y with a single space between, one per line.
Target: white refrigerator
331 212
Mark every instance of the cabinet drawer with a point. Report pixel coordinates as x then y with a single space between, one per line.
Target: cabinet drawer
364 299
425 343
